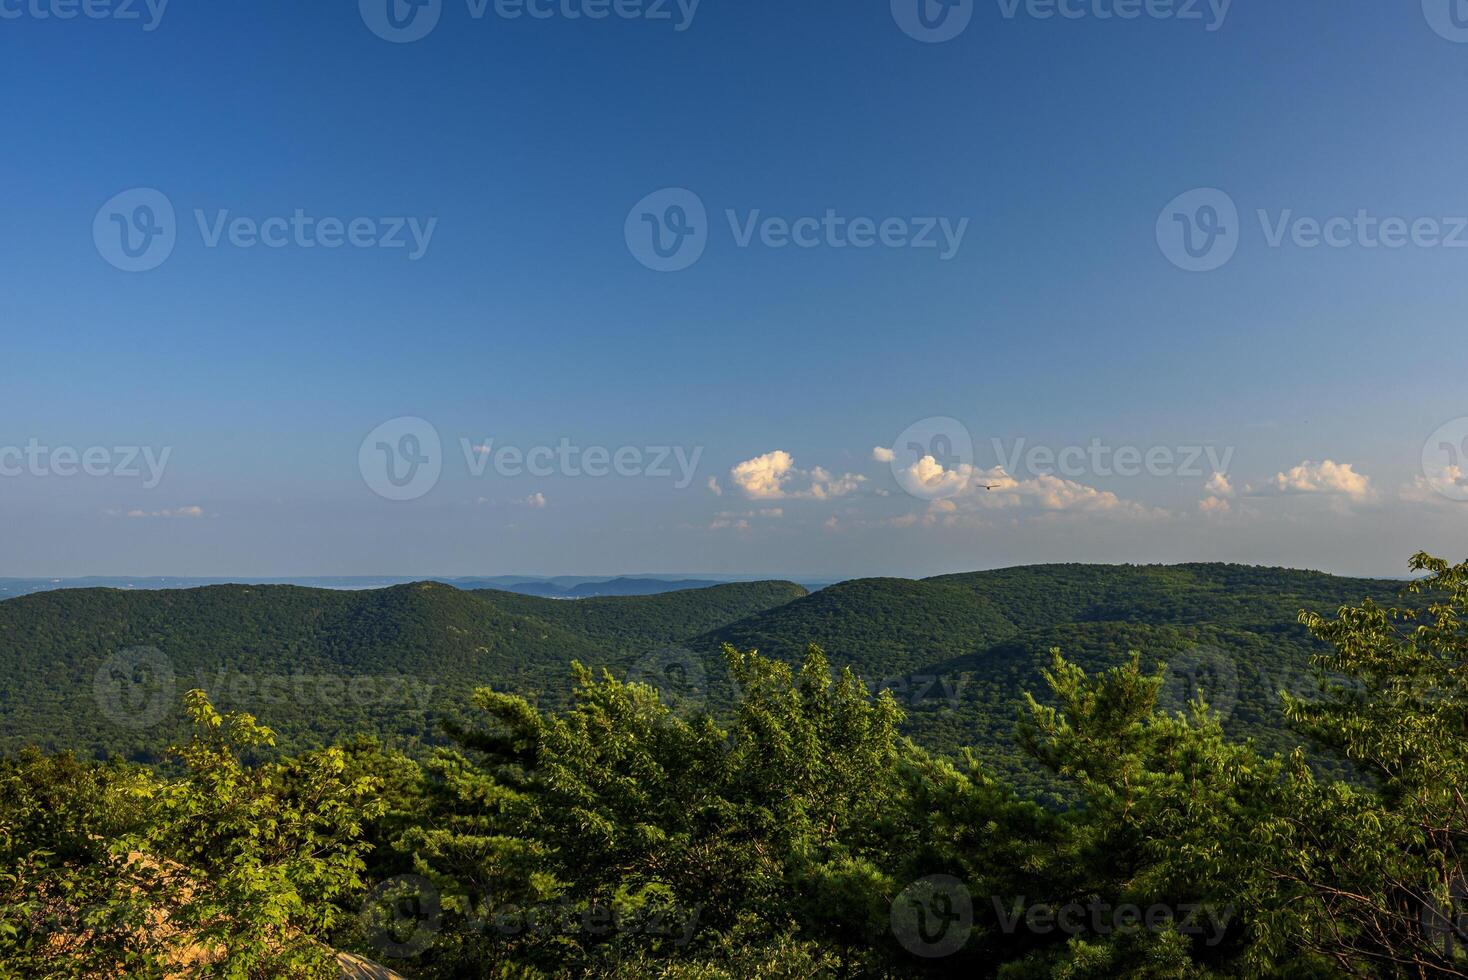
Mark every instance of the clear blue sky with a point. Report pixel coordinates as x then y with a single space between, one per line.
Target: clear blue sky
528 320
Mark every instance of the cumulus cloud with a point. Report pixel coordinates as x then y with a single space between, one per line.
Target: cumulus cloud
824 485
1214 505
763 477
1328 477
190 512
1216 490
740 520
774 476
883 455
965 488
1450 486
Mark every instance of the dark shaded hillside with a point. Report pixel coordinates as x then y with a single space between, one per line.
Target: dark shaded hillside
1241 672
960 651
885 626
272 650
633 622
625 586
1045 595
316 664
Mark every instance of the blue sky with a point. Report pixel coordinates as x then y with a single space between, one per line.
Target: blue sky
1055 143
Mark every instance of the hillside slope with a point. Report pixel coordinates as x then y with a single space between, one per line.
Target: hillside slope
960 651
630 622
102 670
83 668
882 626
313 663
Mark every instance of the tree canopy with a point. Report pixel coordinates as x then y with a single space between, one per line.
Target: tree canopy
799 832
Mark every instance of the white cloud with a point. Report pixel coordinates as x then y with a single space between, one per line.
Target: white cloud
535 501
763 477
1214 505
824 485
191 512
714 487
740 520
929 476
883 455
729 520
774 476
1449 487
1328 477
1216 489
967 488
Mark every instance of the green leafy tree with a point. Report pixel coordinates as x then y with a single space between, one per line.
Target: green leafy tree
72 906
676 829
1371 874
254 858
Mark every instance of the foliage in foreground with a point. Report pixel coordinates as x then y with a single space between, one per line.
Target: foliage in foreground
803 836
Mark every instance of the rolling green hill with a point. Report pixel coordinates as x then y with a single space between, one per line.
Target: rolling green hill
88 668
959 651
268 649
630 622
315 664
882 626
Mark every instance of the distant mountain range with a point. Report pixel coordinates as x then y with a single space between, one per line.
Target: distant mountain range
557 587
101 669
581 589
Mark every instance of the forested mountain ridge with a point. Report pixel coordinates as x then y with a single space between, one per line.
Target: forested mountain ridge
667 617
881 626
231 640
959 651
798 834
291 655
1196 592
